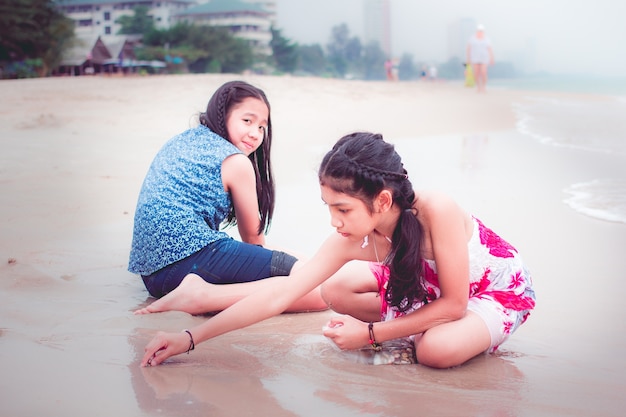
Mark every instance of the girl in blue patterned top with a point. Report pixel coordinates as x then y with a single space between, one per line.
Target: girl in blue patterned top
215 174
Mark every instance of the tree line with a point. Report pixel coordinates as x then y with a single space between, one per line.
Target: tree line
34 34
215 49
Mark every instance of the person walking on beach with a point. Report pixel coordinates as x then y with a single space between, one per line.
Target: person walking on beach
218 172
480 56
402 264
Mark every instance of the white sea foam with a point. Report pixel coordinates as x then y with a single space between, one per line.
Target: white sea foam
524 123
604 199
588 125
597 126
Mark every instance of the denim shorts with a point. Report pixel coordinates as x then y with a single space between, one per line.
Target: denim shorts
226 261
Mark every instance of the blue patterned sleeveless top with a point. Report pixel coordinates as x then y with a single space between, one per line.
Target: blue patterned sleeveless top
182 201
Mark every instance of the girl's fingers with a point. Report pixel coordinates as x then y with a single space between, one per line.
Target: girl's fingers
154 351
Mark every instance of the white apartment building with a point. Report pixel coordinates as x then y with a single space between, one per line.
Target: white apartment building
250 20
246 20
98 17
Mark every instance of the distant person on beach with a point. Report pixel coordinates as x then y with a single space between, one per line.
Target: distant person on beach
480 56
392 69
389 69
395 69
432 73
422 268
214 174
424 72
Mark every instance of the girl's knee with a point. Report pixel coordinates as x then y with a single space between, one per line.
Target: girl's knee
438 352
431 353
331 293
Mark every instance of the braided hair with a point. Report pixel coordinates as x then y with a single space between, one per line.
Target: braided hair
215 117
362 165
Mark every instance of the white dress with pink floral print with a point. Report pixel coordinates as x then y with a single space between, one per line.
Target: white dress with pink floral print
500 287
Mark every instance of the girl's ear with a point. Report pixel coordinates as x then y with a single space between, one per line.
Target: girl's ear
383 201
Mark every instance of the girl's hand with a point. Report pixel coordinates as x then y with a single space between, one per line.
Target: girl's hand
164 345
347 332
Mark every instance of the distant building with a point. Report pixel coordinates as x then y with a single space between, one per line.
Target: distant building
246 20
88 56
98 17
269 6
104 55
250 20
459 33
377 18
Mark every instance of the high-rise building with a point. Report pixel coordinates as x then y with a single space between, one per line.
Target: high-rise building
377 20
459 33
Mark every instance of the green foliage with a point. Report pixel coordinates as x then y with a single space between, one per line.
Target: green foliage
451 69
337 49
28 68
345 52
311 59
373 62
202 48
32 30
139 22
345 57
285 52
407 69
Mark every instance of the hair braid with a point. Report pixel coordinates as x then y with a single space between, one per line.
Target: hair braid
362 165
215 118
222 108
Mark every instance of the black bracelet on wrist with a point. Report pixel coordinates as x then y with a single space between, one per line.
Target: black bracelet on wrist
375 345
192 345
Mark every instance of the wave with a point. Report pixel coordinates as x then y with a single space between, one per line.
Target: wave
603 199
588 125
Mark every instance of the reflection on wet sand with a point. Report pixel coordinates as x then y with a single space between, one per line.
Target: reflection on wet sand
226 383
473 150
290 374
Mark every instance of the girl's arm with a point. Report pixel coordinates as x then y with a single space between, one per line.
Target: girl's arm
239 180
256 307
448 228
446 224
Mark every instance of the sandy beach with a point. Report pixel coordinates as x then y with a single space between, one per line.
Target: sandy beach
74 154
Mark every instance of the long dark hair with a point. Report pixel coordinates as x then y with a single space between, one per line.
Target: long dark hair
215 117
362 165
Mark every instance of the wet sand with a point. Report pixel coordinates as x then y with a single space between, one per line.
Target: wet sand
74 153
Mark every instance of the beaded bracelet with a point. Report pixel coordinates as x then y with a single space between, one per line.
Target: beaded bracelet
192 345
375 345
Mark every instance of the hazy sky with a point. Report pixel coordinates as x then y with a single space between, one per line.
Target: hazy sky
568 36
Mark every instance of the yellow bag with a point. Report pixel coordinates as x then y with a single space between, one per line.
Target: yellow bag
469 76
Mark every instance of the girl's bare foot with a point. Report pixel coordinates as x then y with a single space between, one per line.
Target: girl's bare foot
196 296
186 297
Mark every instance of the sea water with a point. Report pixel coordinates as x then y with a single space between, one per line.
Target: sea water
614 86
595 125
